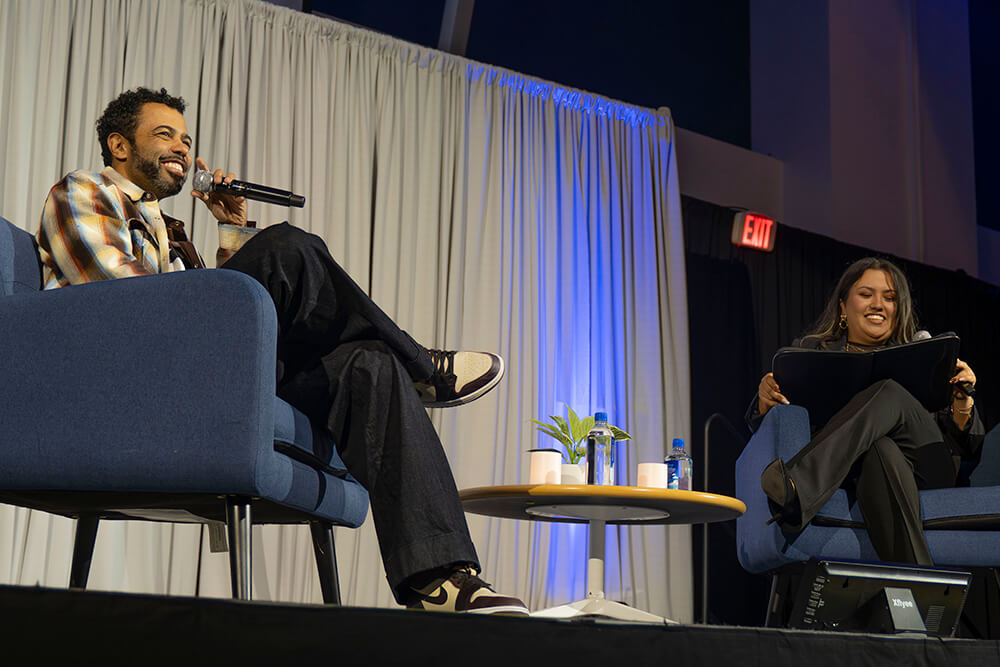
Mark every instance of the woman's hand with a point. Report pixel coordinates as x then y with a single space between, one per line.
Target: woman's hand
226 208
769 394
961 403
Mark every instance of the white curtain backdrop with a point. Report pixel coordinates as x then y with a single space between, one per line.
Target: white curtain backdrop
483 209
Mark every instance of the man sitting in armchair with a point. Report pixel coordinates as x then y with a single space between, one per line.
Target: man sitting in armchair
341 360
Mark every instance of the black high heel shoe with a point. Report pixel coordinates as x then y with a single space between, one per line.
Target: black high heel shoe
782 499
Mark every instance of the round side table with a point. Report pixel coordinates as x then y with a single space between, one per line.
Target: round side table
599 506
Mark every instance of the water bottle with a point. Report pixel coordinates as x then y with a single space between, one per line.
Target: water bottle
600 452
678 467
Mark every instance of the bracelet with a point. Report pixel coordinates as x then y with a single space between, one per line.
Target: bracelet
963 412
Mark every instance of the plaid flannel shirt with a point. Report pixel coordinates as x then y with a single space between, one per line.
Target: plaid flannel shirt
97 226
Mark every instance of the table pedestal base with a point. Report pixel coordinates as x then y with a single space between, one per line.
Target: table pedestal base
595 603
600 607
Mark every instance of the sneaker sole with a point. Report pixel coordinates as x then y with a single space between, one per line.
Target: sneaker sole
479 393
492 611
500 611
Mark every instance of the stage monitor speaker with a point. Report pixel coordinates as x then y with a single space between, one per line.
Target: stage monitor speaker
880 598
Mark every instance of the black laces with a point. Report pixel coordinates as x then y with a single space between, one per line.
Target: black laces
444 361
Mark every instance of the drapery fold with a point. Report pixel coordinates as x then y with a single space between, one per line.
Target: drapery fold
481 208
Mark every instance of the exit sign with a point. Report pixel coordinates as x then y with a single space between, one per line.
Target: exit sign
753 230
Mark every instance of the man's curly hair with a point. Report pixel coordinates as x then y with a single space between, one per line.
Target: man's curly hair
122 115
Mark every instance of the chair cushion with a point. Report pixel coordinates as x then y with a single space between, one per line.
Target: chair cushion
320 482
964 548
977 507
296 437
974 507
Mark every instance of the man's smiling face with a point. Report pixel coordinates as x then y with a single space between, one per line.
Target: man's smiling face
158 159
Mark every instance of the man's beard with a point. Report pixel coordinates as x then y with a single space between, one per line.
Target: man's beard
164 186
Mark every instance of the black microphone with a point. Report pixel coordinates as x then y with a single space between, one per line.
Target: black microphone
966 388
203 183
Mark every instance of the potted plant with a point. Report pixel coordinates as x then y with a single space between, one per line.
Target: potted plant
571 432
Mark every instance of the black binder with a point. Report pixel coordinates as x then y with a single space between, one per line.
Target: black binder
823 381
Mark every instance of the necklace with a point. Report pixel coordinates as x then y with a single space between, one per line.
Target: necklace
857 347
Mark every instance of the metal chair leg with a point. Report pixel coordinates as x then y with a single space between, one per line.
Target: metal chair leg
83 550
784 584
326 560
239 526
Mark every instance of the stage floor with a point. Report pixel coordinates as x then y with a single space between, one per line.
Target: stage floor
41 625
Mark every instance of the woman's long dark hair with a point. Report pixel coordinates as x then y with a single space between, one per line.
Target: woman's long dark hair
827 327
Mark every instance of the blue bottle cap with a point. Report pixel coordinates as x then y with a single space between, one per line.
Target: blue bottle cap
679 442
600 416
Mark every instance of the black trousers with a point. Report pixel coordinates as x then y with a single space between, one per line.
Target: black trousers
886 444
346 365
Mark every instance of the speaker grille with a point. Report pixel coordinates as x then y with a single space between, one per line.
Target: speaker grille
934 614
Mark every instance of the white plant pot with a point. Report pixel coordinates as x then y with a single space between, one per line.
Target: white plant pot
574 473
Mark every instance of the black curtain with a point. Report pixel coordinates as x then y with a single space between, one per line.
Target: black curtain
743 305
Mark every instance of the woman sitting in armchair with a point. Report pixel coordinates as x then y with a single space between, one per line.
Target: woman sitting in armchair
883 442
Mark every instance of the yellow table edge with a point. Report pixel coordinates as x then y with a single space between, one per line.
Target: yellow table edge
589 490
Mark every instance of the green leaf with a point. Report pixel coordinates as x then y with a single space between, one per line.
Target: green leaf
563 426
551 430
579 452
586 424
558 435
574 424
619 434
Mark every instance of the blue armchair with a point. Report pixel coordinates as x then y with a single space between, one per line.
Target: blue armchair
154 397
962 524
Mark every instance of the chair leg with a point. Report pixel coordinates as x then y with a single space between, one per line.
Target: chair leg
326 560
784 584
239 526
83 550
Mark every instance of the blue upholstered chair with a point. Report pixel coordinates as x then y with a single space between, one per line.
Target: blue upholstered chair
154 398
962 524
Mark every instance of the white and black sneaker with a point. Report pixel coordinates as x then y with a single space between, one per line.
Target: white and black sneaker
464 592
459 377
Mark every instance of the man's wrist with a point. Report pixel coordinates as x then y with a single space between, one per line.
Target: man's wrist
233 237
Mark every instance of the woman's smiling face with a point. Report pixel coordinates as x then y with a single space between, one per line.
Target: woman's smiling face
870 308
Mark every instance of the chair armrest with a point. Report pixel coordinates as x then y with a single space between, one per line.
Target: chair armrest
138 384
782 433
